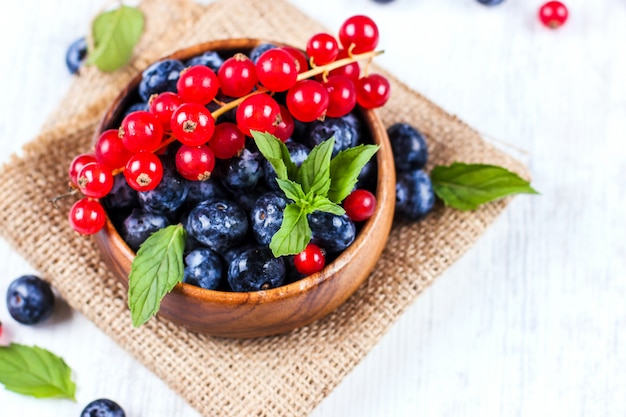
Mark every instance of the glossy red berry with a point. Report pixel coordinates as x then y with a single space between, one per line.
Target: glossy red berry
143 171
198 84
192 124
141 131
322 48
110 151
351 70
78 163
307 100
87 216
163 105
195 163
310 260
277 70
360 205
227 140
302 62
372 91
360 31
341 94
553 14
95 180
237 76
258 112
285 128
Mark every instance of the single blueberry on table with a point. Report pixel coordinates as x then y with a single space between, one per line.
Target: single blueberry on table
256 269
331 232
204 268
344 133
409 148
30 299
415 196
240 173
76 54
490 2
267 216
209 59
159 77
258 50
103 408
169 195
218 224
139 225
298 153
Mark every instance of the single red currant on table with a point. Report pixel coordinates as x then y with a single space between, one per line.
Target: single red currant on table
360 205
310 260
553 14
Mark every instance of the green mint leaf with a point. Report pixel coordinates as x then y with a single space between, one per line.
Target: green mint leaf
276 153
35 372
324 204
114 34
345 169
294 233
314 173
467 186
156 269
292 190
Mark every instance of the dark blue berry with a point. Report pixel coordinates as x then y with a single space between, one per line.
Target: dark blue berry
240 173
344 133
258 50
231 253
199 191
139 225
383 1
368 176
256 269
30 299
103 408
248 199
169 195
218 224
409 148
159 77
121 196
266 216
76 54
331 232
414 195
210 59
203 268
490 2
298 153
136 107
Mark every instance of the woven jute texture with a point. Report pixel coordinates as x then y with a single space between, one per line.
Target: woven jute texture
276 376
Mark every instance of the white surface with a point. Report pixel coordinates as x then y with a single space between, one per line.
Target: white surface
530 322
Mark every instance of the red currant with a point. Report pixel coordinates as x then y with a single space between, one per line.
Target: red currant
302 62
360 205
307 100
197 84
322 48
553 14
110 151
360 31
258 112
227 140
276 70
310 260
95 180
351 70
237 76
192 124
143 171
372 91
78 163
141 131
163 105
195 163
285 128
341 94
87 216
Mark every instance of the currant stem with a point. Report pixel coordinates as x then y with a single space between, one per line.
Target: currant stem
54 200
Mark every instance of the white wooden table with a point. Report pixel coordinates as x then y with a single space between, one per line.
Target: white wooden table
530 322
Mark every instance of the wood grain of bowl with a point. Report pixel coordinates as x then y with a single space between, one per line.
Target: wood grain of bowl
279 310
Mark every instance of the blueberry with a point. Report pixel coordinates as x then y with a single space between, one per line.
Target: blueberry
490 2
169 195
331 232
199 191
203 268
30 299
159 77
256 269
414 195
248 199
103 408
298 153
258 50
318 131
76 54
121 196
218 224
267 216
231 253
368 176
383 1
240 173
139 225
409 148
210 59
136 107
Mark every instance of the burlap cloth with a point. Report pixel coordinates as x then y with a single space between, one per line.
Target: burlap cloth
277 376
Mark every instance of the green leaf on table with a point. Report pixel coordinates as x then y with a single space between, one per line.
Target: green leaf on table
275 151
35 372
467 186
345 169
314 173
114 35
294 233
155 271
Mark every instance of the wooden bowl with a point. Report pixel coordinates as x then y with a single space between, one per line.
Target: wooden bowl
279 310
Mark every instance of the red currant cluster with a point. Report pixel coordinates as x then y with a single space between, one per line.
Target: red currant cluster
327 80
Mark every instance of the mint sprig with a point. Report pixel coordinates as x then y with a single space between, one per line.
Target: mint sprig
321 183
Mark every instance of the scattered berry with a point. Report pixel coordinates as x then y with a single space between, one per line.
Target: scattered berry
409 148
30 299
415 196
553 14
310 260
360 205
490 2
102 408
258 51
76 54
